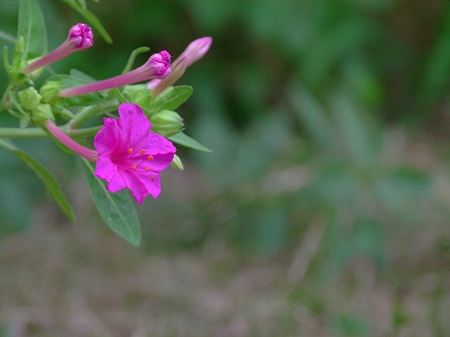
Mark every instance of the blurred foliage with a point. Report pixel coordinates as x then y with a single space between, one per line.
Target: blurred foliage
328 122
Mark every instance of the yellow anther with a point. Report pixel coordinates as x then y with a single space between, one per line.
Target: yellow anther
142 151
133 166
150 157
147 168
130 149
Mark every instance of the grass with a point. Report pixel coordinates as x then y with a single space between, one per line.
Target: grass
79 279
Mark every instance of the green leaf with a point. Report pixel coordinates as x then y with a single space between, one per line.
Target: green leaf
312 115
90 17
171 98
82 76
49 181
184 140
32 29
115 208
133 55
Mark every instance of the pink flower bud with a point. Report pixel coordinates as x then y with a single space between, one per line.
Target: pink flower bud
195 50
80 38
157 66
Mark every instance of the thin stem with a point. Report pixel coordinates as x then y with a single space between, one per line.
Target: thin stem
39 133
89 112
7 37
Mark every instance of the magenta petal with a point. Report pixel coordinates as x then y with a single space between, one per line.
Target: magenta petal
159 144
105 168
133 125
142 185
117 182
105 141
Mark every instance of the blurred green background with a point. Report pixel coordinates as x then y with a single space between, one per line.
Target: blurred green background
322 210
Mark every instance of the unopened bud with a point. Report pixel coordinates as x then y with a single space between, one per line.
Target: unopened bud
80 38
29 98
42 113
166 123
50 90
177 163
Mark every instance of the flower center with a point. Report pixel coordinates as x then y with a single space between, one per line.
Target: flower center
137 161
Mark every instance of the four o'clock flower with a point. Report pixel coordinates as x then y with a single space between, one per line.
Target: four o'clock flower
130 155
80 38
193 52
157 66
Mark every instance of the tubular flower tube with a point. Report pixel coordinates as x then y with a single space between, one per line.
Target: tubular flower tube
157 66
193 52
130 155
70 143
80 38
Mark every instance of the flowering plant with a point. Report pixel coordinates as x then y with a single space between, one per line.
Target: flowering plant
135 143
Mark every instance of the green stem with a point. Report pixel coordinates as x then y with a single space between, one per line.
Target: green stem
7 37
39 133
89 112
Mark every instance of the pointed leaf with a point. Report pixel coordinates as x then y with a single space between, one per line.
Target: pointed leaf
172 98
90 17
32 29
184 140
115 208
49 181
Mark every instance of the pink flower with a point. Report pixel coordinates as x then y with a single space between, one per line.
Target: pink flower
130 155
193 52
157 66
80 38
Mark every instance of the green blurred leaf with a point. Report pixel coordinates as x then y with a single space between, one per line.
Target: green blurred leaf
49 181
32 28
360 139
402 191
312 115
90 17
270 234
437 67
351 325
115 208
171 98
184 140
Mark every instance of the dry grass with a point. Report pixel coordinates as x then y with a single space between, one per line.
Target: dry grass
62 279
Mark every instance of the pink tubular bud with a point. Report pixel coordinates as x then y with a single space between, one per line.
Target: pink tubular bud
80 38
157 66
196 50
193 52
